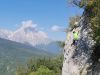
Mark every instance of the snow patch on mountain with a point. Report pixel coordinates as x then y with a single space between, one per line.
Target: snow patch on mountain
5 33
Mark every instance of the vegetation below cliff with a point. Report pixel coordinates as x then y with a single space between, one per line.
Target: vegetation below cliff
41 66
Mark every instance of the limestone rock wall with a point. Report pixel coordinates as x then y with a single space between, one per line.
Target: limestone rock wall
77 60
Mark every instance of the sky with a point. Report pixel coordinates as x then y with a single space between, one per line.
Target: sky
49 15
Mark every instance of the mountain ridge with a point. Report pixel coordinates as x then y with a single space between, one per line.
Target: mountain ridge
13 53
27 33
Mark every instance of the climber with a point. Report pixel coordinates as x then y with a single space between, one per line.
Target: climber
75 38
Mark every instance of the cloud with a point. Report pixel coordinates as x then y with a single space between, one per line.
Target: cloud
56 28
28 24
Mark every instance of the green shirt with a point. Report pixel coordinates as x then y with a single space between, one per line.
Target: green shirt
75 35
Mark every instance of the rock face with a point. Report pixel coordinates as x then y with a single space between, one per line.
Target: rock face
77 61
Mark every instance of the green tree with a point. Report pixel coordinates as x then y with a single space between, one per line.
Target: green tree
43 70
95 20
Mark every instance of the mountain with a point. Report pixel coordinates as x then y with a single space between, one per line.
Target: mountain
52 47
5 33
13 53
27 34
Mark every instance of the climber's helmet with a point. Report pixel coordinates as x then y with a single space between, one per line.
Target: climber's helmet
76 24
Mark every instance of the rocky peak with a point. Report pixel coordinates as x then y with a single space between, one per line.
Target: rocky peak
77 60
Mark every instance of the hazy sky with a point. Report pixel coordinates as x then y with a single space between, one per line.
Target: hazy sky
47 14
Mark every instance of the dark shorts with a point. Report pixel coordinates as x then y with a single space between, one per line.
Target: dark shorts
75 42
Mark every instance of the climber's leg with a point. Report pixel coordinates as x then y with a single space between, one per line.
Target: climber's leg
76 42
73 43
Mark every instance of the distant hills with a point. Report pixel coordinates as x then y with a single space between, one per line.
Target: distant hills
25 42
12 53
52 47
